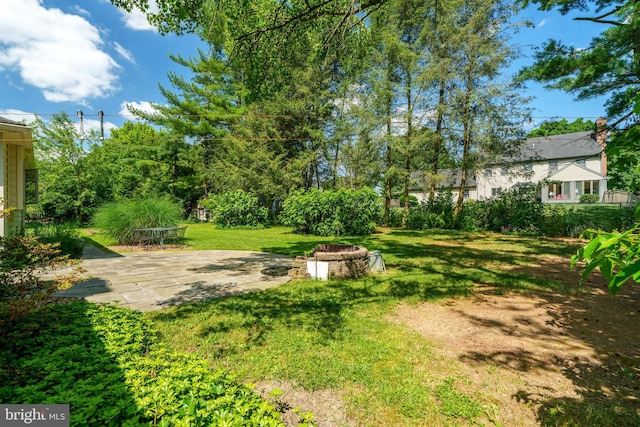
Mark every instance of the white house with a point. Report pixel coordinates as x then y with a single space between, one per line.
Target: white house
17 166
565 167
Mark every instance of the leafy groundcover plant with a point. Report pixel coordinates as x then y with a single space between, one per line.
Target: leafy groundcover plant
107 363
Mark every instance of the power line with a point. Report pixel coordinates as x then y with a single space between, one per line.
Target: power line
293 116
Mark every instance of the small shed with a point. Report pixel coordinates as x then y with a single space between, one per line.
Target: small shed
18 174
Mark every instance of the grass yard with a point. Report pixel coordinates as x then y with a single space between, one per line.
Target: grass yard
463 329
354 340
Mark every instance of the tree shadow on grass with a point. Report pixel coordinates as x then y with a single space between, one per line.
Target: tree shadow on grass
575 354
609 386
54 356
419 271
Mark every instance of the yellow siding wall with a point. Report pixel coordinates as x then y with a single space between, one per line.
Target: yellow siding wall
13 187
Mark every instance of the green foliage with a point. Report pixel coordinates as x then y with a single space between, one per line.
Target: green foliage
332 212
142 162
65 236
603 67
118 219
559 127
436 213
71 184
515 210
616 255
560 220
623 160
395 217
21 290
107 362
413 201
236 209
589 198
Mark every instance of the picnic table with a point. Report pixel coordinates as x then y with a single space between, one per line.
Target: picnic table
158 234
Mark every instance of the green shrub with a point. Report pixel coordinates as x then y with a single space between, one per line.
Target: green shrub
107 362
65 235
553 221
571 221
589 198
21 290
395 217
413 201
474 216
516 208
119 219
236 209
332 212
436 213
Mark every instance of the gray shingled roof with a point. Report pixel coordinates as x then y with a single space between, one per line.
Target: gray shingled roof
577 144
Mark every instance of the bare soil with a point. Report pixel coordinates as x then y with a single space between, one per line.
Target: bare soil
532 352
529 353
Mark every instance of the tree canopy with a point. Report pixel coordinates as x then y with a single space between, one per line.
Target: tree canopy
609 66
323 94
559 127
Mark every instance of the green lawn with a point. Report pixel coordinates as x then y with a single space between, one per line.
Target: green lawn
338 335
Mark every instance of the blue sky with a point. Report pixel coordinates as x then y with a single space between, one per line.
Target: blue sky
60 55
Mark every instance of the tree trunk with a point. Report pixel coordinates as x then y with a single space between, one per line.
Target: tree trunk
388 156
437 146
467 124
407 178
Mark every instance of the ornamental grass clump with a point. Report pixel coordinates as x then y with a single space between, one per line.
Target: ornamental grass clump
119 219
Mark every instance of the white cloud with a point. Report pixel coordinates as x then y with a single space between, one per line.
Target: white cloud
92 124
124 52
142 105
18 115
81 11
56 52
542 23
137 20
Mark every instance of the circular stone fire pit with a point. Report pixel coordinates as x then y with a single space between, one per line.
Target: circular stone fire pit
343 260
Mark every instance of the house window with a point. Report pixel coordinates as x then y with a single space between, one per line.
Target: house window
553 166
504 169
555 189
488 171
581 162
495 192
528 168
588 187
466 194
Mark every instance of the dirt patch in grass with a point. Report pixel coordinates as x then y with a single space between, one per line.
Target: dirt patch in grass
327 407
539 356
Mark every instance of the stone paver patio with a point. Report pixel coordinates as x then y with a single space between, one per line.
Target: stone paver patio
155 280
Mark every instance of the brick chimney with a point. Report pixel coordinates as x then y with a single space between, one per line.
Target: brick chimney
601 138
